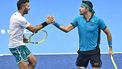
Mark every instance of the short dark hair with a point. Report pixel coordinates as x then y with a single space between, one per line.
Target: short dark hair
89 3
20 2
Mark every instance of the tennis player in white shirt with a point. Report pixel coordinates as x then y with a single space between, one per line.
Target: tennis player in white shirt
24 58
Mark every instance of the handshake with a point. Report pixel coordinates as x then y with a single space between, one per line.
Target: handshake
50 20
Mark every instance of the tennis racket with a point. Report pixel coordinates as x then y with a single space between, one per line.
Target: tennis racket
113 62
37 38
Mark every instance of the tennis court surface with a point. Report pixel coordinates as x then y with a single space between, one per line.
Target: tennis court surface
59 61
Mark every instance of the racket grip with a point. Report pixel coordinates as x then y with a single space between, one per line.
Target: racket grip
34 42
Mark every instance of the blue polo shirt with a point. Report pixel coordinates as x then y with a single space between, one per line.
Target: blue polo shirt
89 32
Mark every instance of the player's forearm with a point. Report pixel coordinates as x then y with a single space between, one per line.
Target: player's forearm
109 37
64 28
31 28
40 26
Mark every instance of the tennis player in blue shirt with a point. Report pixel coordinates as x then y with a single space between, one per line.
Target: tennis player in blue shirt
89 27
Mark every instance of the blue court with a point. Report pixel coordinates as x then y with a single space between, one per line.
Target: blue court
59 61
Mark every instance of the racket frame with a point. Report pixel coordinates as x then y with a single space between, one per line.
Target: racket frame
39 42
113 62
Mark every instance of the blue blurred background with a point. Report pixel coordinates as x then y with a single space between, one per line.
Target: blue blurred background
64 11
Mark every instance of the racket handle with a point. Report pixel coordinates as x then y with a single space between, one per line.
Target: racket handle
34 42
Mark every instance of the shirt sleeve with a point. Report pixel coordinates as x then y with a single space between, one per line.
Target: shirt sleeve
102 25
74 22
23 22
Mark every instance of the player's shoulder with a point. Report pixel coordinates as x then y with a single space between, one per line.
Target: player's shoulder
97 17
17 16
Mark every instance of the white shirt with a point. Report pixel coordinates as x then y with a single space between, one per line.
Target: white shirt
17 25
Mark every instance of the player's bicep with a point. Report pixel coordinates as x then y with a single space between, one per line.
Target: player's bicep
70 26
106 30
67 28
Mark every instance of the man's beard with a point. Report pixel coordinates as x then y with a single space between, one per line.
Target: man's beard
81 13
26 12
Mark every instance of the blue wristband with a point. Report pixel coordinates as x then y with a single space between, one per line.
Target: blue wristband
57 25
110 43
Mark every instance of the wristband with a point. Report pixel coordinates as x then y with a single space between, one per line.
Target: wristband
110 43
57 25
44 24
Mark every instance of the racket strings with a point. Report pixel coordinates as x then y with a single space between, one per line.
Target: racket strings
38 38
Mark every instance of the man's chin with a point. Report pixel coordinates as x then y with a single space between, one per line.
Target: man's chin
26 13
81 14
